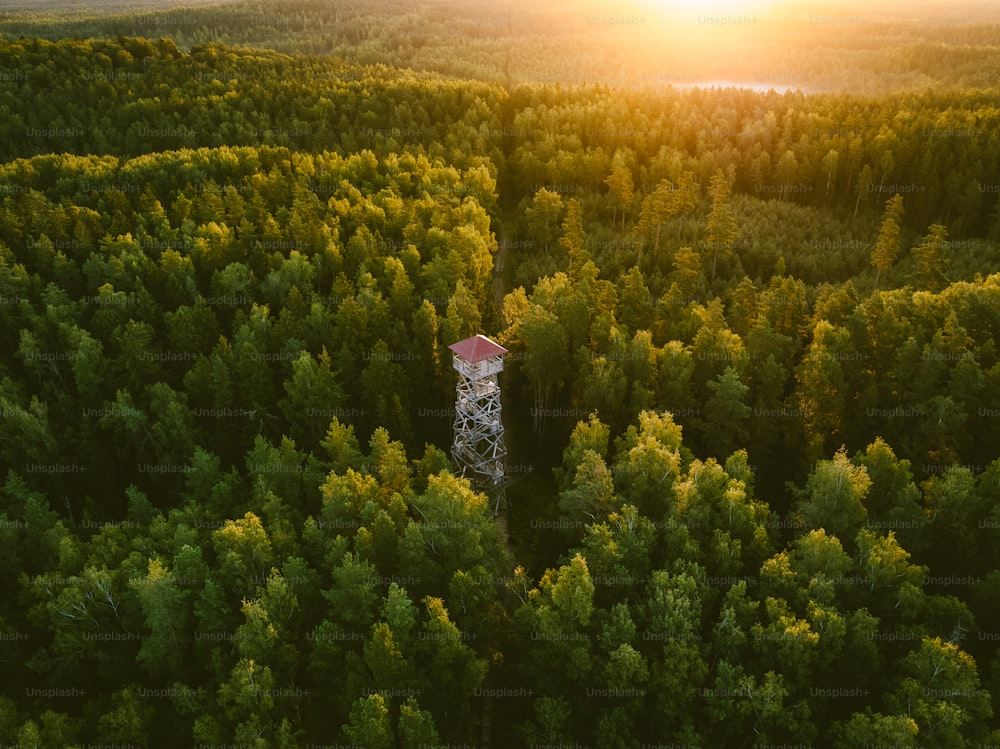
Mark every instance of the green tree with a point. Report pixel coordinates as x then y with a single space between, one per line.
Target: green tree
313 392
635 308
587 436
550 724
386 390
726 414
894 584
128 721
831 162
592 494
573 238
648 463
786 642
416 728
247 696
940 691
953 505
931 259
673 607
384 659
167 609
676 367
171 425
354 595
446 659
688 276
542 216
342 446
887 244
865 179
603 387
721 231
269 626
834 497
894 500
875 729
546 357
244 551
455 532
822 390
621 188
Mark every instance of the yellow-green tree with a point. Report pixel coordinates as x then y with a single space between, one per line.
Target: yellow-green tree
622 189
931 259
722 231
887 245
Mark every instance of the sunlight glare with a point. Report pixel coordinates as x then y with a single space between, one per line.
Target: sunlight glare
706 7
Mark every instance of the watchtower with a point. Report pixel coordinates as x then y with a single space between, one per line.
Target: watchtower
478 451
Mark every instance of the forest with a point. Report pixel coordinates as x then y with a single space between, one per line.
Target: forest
750 396
812 45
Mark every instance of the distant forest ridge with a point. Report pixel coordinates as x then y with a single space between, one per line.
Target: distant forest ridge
810 46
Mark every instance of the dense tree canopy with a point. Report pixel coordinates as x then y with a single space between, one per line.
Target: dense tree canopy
750 396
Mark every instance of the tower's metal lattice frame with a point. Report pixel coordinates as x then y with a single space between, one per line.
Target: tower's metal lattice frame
478 451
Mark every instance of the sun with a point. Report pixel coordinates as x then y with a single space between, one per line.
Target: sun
706 7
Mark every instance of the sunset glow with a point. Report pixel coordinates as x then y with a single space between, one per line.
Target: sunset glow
707 8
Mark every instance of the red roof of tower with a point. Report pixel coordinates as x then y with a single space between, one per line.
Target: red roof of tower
477 348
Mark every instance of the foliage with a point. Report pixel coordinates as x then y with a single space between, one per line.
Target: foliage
228 279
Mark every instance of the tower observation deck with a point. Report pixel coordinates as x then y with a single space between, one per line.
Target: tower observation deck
478 451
